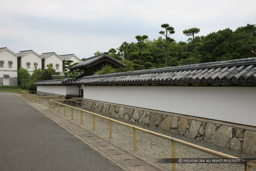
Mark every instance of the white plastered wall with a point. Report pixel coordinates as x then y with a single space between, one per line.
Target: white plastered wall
60 90
74 60
7 56
54 60
72 90
32 58
232 104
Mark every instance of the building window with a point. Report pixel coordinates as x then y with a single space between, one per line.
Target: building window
1 63
10 64
57 66
28 65
35 65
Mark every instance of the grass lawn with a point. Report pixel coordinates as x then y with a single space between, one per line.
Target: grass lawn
14 89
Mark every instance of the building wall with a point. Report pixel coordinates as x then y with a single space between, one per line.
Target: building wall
74 60
57 90
231 104
72 90
12 72
54 60
32 58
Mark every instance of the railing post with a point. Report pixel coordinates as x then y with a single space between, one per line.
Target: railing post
54 107
134 139
110 129
58 108
173 155
72 114
64 110
248 167
94 118
81 117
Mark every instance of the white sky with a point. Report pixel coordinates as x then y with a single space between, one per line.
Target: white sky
86 26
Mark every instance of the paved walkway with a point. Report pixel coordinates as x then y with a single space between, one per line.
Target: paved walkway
31 141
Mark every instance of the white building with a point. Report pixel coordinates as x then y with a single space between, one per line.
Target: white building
54 59
29 60
71 57
8 67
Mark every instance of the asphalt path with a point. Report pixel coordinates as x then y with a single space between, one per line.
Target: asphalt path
30 141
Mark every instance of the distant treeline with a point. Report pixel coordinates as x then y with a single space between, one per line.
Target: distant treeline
165 51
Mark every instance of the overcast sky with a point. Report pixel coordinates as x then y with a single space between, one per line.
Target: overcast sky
83 27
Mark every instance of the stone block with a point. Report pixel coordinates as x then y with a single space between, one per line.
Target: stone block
249 143
117 109
132 120
145 120
111 109
174 122
152 119
239 133
201 130
136 115
182 125
99 107
166 123
210 130
194 128
128 111
159 119
222 136
126 117
235 144
105 109
121 112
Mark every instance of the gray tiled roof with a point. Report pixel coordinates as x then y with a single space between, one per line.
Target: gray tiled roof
95 59
232 72
66 81
47 54
50 82
2 49
25 52
67 56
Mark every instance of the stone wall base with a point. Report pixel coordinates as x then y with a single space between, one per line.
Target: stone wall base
50 94
228 135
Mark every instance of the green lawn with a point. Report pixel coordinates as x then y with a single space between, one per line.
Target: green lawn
14 89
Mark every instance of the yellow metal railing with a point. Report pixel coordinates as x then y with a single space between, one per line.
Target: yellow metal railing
173 140
38 99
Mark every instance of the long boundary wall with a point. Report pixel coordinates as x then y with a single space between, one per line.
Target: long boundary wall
207 113
58 90
231 104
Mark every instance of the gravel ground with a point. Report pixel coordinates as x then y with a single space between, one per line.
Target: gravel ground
150 147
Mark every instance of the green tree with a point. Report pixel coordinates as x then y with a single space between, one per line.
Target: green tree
97 53
36 76
48 73
168 30
106 70
68 73
123 50
23 76
253 48
141 45
191 32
